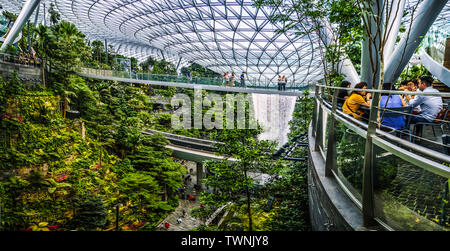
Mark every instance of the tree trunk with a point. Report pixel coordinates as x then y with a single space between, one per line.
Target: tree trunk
65 105
249 209
43 72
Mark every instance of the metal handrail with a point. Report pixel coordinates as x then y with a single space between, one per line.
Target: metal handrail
425 158
5 57
216 81
440 94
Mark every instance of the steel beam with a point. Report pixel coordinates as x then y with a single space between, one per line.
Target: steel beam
394 17
23 17
427 13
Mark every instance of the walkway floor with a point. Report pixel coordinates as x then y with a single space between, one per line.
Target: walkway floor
188 222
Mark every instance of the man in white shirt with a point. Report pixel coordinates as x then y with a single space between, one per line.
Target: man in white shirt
429 105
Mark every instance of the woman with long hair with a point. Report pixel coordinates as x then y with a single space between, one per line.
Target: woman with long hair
357 99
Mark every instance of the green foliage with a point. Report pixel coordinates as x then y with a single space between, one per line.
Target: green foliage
55 17
158 67
302 115
90 213
9 15
52 178
413 72
200 71
11 49
12 87
233 180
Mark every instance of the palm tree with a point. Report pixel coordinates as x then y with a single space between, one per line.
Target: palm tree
43 43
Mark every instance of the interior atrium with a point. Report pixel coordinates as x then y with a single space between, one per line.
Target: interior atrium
216 115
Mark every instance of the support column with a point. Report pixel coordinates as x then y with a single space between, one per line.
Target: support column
199 174
394 16
447 54
23 17
106 51
370 49
425 16
346 67
36 16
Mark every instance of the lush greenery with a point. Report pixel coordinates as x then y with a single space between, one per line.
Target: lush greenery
281 204
80 173
61 174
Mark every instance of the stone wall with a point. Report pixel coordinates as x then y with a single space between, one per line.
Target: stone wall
28 74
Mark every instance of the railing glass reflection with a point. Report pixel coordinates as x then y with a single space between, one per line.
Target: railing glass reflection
409 181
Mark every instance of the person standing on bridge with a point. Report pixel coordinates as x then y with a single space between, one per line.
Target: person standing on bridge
188 75
283 83
225 76
243 79
227 79
279 82
232 79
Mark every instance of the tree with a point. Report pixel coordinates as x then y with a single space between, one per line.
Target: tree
140 190
44 43
97 49
90 213
153 158
233 179
55 17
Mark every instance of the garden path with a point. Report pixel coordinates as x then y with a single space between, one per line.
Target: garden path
188 222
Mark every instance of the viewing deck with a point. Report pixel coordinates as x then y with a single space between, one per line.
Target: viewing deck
380 181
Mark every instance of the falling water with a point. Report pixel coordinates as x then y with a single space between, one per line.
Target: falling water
273 112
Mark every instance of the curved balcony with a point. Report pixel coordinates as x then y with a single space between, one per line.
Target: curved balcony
367 178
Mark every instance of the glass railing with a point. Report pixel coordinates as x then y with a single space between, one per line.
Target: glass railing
216 81
434 43
405 186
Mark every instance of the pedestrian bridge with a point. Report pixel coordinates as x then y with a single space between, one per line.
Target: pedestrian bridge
212 84
189 148
199 150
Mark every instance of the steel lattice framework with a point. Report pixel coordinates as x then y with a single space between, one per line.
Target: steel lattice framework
222 35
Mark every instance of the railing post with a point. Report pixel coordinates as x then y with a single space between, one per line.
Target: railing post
314 116
369 161
331 161
319 126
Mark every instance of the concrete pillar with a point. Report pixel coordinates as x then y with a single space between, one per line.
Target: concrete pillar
199 173
447 54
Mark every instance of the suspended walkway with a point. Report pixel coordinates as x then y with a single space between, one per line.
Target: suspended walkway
198 150
212 84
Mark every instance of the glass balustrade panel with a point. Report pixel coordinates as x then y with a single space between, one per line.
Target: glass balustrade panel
350 148
408 197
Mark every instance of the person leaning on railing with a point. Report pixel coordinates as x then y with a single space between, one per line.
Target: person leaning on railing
357 99
430 106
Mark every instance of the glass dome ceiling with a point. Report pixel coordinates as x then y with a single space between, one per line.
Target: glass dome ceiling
224 36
